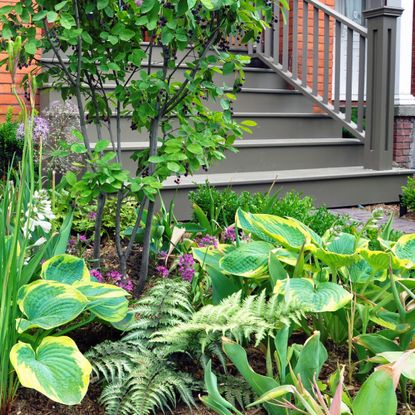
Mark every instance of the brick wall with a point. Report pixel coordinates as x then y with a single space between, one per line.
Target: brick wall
403 140
7 99
413 56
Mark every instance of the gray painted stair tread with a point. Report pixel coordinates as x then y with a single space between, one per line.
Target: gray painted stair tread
267 142
283 176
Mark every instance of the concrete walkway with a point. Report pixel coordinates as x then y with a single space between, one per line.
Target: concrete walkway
363 215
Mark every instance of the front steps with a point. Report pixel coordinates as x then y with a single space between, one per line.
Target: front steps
333 187
291 148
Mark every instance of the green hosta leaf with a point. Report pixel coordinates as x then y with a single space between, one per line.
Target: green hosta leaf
316 297
378 260
248 260
404 251
106 301
273 229
361 272
49 304
376 396
210 256
65 268
56 368
376 343
340 252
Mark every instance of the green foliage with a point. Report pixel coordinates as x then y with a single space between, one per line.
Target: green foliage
221 206
62 294
11 148
141 377
241 319
408 193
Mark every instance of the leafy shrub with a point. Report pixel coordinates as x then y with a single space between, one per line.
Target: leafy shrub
10 147
408 193
222 206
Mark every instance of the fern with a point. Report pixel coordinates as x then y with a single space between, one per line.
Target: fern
140 378
236 390
255 316
153 383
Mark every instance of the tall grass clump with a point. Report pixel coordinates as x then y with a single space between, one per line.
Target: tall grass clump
19 254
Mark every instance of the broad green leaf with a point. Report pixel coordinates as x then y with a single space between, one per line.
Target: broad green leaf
126 323
222 285
376 396
67 21
408 369
214 400
106 301
378 260
260 384
316 297
276 269
210 256
49 304
195 148
65 268
376 343
273 229
56 368
101 145
249 260
310 361
404 251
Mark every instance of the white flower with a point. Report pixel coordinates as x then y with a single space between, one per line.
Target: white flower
39 213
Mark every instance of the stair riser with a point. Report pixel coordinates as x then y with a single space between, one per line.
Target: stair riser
246 102
279 158
332 192
272 127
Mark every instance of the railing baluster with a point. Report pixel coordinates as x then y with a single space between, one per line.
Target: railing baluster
326 57
362 73
268 42
315 52
337 68
276 33
305 45
285 43
295 40
349 75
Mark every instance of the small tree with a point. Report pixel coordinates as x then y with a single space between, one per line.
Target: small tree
96 42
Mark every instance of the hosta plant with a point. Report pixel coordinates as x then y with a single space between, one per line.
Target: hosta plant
43 358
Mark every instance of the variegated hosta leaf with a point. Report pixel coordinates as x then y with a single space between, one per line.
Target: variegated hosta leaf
65 268
49 304
404 251
340 252
56 368
248 260
316 297
378 260
106 301
291 258
210 256
361 272
274 229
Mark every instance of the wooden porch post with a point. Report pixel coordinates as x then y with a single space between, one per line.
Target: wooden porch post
382 25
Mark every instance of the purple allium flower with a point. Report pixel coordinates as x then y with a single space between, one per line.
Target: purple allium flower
97 275
162 254
139 3
40 130
83 238
186 267
162 271
114 276
92 215
230 234
207 240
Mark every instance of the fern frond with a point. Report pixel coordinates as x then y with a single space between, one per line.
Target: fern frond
165 305
152 384
236 390
255 316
